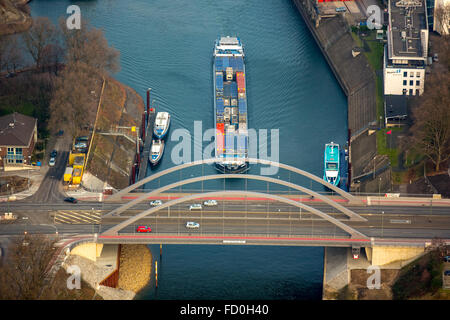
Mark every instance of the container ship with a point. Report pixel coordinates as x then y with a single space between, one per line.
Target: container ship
331 163
230 106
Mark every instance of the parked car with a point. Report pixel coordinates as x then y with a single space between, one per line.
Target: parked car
143 229
156 203
60 133
70 199
195 206
447 259
192 225
52 162
210 203
80 144
53 154
436 57
447 273
11 75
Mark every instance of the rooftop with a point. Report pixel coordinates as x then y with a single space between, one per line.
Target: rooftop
396 106
406 20
16 129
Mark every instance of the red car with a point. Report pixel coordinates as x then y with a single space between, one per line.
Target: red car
143 229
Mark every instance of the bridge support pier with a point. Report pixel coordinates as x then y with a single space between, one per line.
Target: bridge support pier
384 255
90 250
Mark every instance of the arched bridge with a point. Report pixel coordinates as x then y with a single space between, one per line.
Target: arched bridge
351 216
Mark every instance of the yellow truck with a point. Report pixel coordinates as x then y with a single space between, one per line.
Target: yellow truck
73 156
68 175
77 175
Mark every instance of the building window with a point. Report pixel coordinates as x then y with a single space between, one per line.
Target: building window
405 74
411 82
404 82
404 91
417 92
418 74
417 82
411 74
410 92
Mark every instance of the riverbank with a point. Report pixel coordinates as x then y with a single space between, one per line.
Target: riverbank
135 267
113 151
421 279
98 269
357 80
14 16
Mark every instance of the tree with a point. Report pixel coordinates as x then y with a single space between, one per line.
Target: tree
431 115
89 46
40 35
22 274
14 58
72 103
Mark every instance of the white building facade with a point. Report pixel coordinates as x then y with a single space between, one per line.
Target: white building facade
406 52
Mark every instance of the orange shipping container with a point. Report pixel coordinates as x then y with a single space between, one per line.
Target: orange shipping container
219 137
240 79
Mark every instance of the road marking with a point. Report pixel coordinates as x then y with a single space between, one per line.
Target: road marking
404 221
73 217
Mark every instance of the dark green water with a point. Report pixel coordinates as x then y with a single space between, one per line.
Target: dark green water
167 45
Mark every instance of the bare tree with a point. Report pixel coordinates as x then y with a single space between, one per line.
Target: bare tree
40 35
442 18
22 275
14 58
431 115
73 104
89 46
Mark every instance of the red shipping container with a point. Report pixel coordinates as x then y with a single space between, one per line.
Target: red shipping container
219 138
240 79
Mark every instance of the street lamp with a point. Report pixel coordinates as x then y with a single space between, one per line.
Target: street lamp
382 224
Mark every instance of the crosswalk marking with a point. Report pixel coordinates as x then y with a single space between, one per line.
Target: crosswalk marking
77 217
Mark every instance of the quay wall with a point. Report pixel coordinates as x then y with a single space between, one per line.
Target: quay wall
354 74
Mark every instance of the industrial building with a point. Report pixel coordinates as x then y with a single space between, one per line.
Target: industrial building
407 48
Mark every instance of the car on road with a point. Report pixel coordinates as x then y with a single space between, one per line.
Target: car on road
53 154
143 229
210 203
71 199
447 259
192 225
60 133
156 203
52 162
195 206
447 273
436 57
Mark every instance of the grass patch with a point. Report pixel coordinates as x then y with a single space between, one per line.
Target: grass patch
384 147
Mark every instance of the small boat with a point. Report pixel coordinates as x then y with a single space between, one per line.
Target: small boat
156 152
162 123
331 164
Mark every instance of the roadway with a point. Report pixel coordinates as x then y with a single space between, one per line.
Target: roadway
234 218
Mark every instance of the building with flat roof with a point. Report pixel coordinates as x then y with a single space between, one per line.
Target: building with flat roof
395 110
407 48
18 135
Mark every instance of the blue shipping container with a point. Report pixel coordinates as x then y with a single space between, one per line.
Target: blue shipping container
219 64
219 82
242 143
242 106
219 105
240 64
234 90
225 63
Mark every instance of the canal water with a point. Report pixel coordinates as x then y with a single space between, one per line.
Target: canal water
167 46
